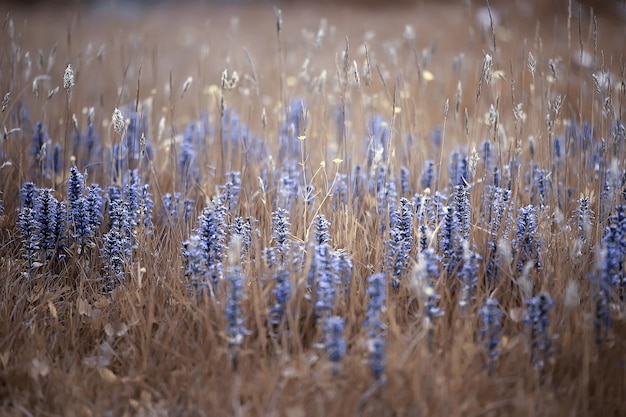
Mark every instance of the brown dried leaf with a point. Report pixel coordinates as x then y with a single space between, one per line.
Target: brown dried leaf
107 375
84 308
102 303
52 309
516 314
4 358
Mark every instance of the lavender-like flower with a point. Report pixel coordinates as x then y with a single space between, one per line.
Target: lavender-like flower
235 319
77 218
527 243
468 275
585 216
29 231
428 174
497 205
462 211
614 241
398 247
321 226
323 277
195 268
537 321
280 234
146 208
230 190
46 217
491 320
282 294
448 240
334 343
117 248
540 186
95 210
405 182
212 230
376 341
242 228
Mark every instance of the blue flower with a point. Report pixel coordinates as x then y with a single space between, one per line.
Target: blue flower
334 343
29 231
280 233
46 216
526 243
428 174
212 230
491 328
376 341
468 275
230 190
117 248
537 322
321 225
235 318
398 247
405 182
195 268
282 294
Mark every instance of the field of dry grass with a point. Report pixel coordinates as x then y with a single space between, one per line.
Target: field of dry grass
322 210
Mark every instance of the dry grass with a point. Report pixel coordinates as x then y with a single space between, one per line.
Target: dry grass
150 348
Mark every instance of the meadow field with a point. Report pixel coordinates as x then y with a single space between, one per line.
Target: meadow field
313 210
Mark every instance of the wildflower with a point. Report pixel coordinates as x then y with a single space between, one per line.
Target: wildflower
194 263
230 190
585 216
235 318
448 240
405 182
46 217
334 343
603 287
323 278
282 294
29 231
340 192
462 211
321 225
540 186
212 230
242 228
491 319
187 166
398 247
486 154
379 132
468 274
117 247
280 233
537 321
40 143
170 204
526 242
373 322
428 173
614 242
77 218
